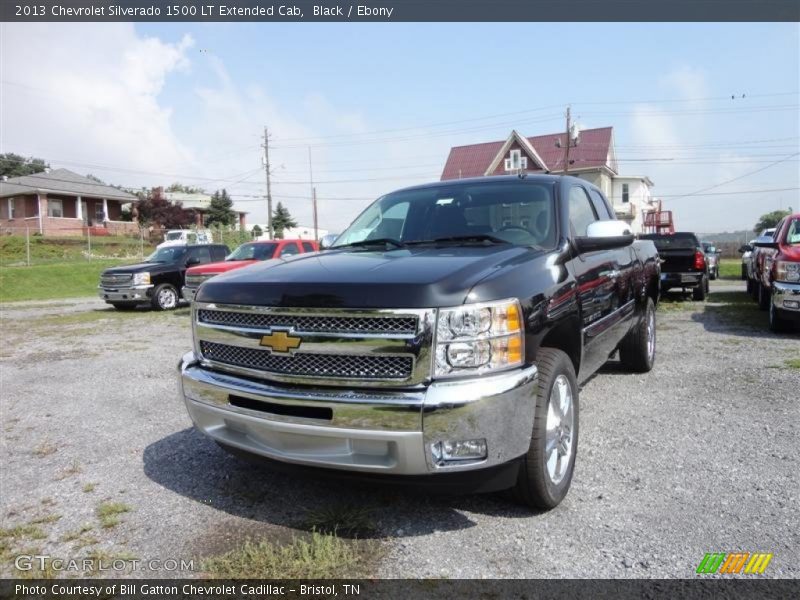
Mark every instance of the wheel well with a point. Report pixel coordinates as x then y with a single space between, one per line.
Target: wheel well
654 290
566 337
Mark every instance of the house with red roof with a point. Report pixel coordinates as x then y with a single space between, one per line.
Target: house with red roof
592 158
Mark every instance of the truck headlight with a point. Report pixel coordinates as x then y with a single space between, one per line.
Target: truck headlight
141 278
787 271
478 338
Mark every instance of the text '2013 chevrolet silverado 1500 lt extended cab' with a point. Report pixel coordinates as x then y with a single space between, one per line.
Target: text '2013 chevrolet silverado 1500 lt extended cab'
440 340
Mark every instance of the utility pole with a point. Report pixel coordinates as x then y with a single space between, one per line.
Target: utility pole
569 143
269 190
313 195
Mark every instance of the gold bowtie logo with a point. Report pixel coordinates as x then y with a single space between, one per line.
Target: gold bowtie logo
280 341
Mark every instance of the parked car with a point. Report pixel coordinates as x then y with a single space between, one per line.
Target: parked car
155 281
779 274
746 250
712 255
244 255
754 261
440 340
684 264
181 237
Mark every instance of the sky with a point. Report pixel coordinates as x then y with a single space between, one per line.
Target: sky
370 108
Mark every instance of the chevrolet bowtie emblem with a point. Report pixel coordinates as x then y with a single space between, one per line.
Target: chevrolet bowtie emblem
280 341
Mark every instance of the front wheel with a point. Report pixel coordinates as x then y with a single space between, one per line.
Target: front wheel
546 471
637 352
165 297
776 323
763 296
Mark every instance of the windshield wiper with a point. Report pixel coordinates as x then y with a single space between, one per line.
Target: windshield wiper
472 237
376 241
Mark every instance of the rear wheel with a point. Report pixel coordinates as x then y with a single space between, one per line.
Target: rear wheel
546 471
699 293
638 349
165 297
713 274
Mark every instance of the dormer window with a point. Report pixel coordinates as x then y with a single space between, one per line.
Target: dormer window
515 161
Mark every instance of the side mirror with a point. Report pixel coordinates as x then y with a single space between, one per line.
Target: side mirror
605 235
192 261
326 241
745 248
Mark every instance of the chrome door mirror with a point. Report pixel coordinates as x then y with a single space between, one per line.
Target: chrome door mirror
605 235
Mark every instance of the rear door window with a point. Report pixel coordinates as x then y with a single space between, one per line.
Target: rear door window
290 249
581 212
203 254
600 205
308 247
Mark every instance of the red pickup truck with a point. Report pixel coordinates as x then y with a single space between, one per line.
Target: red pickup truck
244 255
778 274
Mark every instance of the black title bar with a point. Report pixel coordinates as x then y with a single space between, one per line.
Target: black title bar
399 10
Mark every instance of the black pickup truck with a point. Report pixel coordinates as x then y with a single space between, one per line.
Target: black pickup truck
684 263
156 281
441 339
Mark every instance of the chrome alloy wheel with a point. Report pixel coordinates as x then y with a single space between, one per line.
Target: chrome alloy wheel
559 444
651 335
167 298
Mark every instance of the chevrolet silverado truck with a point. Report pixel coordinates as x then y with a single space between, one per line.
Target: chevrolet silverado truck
244 255
779 274
155 281
441 340
684 263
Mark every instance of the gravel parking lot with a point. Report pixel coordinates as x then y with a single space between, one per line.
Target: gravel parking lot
700 455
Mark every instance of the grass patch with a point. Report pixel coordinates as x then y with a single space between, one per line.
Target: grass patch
73 469
68 248
341 519
46 519
44 449
793 363
29 531
71 536
60 280
730 268
108 513
317 557
89 487
737 309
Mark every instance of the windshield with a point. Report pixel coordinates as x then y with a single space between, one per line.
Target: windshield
518 212
252 252
174 235
167 255
793 233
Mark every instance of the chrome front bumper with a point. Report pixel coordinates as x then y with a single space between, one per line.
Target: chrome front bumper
366 430
188 293
134 293
786 297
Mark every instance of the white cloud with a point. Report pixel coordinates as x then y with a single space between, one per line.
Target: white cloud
89 94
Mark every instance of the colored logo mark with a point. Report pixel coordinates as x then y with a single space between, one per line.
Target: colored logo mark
737 563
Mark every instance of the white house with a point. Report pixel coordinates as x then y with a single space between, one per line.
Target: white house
631 196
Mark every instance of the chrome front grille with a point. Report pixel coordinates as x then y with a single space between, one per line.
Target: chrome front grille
351 347
311 365
401 325
115 279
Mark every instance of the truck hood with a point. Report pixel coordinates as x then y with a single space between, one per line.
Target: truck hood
152 267
416 277
219 267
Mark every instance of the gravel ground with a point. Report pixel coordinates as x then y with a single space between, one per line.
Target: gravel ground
700 455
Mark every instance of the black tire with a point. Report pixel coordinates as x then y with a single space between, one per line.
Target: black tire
750 287
535 486
776 323
165 297
699 292
713 274
763 297
744 274
636 352
124 305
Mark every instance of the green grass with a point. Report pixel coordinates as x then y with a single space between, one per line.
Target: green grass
730 268
46 282
108 513
68 249
793 363
341 519
316 557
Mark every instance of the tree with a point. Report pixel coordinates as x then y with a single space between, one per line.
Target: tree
281 219
256 231
769 220
14 165
154 209
220 212
185 189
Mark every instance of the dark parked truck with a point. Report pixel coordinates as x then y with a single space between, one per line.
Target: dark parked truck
158 279
684 263
440 340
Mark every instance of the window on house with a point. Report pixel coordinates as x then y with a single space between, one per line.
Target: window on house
516 161
625 193
55 208
11 209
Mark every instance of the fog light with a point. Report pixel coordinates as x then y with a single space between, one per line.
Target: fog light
791 304
455 450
